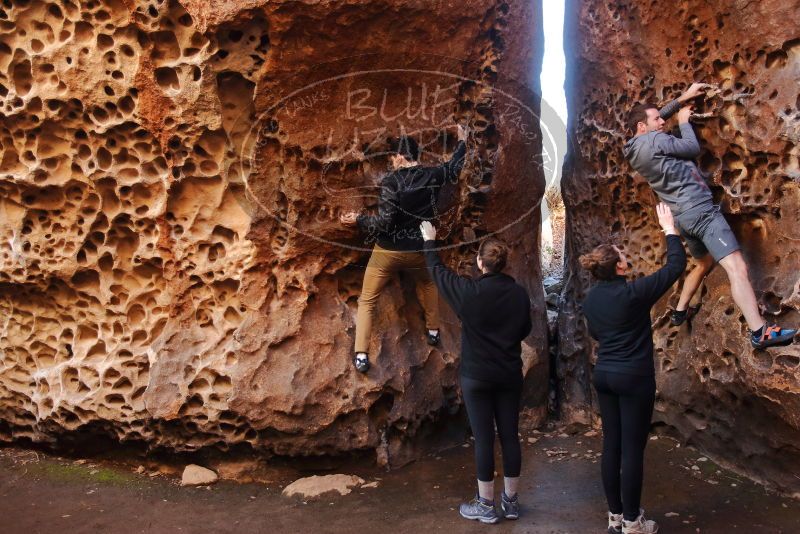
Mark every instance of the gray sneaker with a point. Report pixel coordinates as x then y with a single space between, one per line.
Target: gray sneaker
614 523
510 507
479 510
640 525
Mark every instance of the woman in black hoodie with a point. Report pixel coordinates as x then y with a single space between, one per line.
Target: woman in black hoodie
495 318
618 314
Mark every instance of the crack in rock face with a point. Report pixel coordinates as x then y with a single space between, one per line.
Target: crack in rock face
714 390
172 268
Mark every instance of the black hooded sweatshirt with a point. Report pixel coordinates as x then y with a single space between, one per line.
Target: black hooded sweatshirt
618 313
495 315
408 197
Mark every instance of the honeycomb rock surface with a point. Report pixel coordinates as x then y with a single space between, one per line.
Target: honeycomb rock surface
714 390
172 268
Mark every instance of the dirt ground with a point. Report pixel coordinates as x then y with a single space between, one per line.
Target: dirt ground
561 493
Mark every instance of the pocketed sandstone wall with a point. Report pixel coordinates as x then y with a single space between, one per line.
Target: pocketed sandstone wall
172 270
714 391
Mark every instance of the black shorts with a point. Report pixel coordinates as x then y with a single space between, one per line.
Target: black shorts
706 231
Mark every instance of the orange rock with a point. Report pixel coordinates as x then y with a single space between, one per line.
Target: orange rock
172 269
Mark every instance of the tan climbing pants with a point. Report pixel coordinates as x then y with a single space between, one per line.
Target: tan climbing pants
380 269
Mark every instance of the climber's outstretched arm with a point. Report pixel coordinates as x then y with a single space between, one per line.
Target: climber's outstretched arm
450 170
685 147
695 90
452 287
388 206
651 288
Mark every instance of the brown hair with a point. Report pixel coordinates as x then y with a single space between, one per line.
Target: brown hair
405 146
601 262
493 254
639 114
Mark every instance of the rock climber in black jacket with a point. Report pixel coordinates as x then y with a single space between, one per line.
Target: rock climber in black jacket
408 195
495 315
618 314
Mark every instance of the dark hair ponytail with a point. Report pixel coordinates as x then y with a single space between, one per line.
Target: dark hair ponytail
601 262
493 254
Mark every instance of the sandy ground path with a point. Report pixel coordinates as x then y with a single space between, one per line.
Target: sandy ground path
561 493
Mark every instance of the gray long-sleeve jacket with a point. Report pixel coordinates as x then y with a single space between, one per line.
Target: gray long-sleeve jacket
667 164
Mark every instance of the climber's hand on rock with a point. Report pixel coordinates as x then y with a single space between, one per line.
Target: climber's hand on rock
349 218
428 231
665 218
684 114
462 133
695 90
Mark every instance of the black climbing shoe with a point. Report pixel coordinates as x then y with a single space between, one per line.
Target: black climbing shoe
433 339
772 336
361 361
677 318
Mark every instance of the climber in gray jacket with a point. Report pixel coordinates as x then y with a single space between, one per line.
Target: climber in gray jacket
666 162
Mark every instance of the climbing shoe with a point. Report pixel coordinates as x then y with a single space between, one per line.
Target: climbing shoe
479 509
677 318
433 339
772 336
510 507
640 525
361 362
614 523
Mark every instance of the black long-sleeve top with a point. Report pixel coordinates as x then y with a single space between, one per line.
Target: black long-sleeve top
407 197
495 315
618 313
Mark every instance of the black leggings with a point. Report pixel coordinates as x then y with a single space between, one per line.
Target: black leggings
626 407
488 404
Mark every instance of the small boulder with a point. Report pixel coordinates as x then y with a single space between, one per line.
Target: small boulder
194 475
315 486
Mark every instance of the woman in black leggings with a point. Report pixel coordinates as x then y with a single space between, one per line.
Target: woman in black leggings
618 314
495 318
